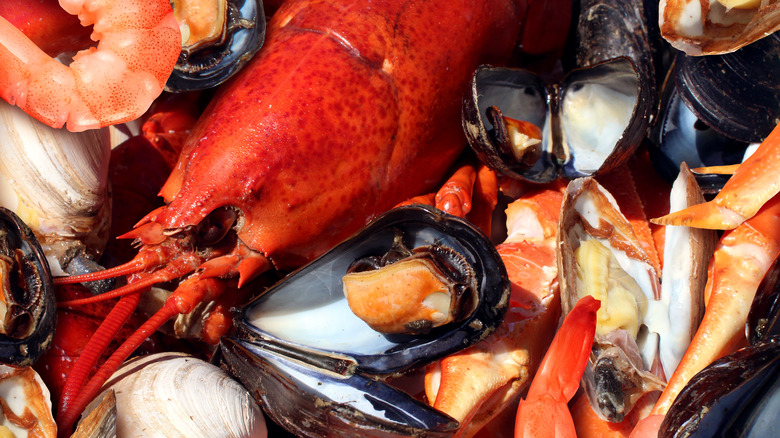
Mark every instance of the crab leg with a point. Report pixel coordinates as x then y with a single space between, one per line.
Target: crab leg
753 184
741 259
472 386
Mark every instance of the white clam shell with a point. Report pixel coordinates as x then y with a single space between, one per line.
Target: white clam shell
55 181
177 395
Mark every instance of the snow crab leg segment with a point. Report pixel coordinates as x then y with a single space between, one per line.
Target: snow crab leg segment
138 44
473 386
753 184
544 411
741 259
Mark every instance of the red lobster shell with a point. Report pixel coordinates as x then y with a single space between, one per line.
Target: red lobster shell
349 108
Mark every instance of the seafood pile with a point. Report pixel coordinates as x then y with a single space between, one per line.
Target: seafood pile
329 218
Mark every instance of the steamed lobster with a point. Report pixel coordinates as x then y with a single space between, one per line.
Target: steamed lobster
348 109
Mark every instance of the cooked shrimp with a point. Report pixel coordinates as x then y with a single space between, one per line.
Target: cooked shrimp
138 44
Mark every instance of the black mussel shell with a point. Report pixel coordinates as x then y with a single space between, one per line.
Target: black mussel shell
737 94
310 402
518 94
591 121
206 66
29 294
713 107
300 348
762 321
614 29
680 136
737 395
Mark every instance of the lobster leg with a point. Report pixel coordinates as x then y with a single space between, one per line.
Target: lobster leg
91 353
191 292
455 195
207 284
471 192
484 199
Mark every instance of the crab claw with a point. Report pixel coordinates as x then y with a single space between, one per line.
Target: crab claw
474 385
544 412
752 185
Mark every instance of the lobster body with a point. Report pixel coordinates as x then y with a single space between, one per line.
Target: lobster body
348 109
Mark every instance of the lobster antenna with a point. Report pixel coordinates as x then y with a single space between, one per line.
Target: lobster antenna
143 260
119 292
128 268
175 269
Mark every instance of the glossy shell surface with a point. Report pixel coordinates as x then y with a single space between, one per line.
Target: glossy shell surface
737 395
208 64
593 118
29 312
315 366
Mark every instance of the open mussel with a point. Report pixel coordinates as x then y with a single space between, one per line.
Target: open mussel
737 395
320 370
589 122
714 107
219 38
27 307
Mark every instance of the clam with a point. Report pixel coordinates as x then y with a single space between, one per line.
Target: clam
687 252
589 122
219 38
177 395
27 307
641 322
26 404
714 27
319 369
56 181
